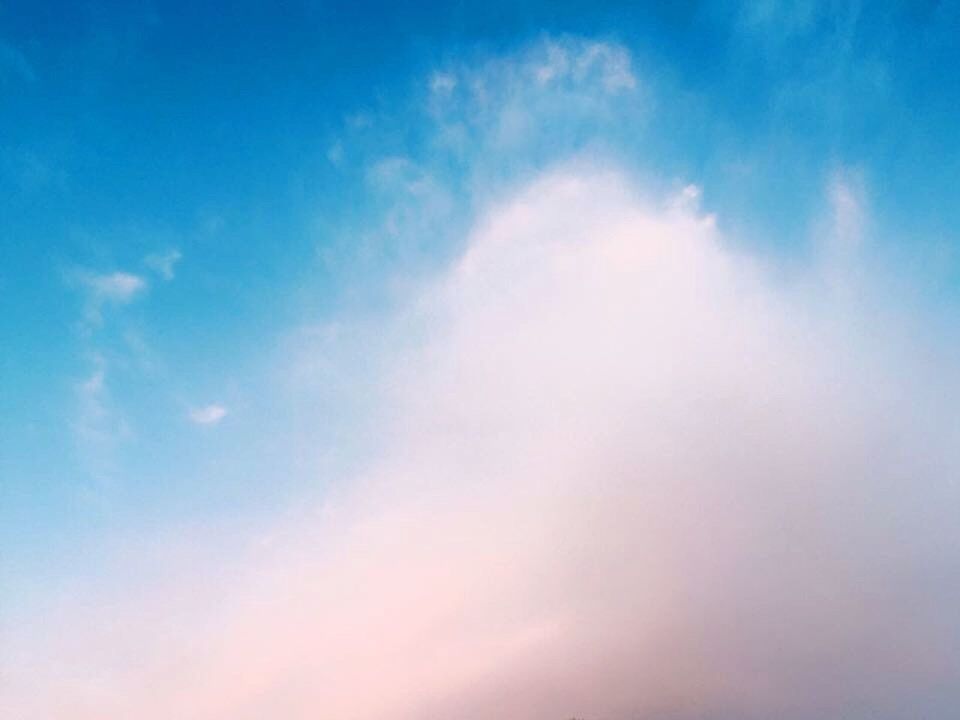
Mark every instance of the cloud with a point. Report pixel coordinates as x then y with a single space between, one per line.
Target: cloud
847 204
101 289
99 425
536 95
163 263
630 472
117 287
475 127
335 153
842 237
583 63
99 428
442 83
208 414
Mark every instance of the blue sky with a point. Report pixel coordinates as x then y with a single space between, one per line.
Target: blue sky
209 215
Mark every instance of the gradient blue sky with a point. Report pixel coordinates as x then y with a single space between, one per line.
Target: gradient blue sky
190 193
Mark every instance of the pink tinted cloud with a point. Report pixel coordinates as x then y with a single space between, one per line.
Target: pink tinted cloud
631 476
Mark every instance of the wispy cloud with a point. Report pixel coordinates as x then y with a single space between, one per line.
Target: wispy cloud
500 104
841 237
99 427
118 287
163 263
208 414
442 83
100 424
482 120
102 289
335 153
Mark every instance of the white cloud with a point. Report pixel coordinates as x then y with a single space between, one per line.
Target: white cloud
163 263
847 204
361 120
116 287
612 62
584 63
208 414
100 425
842 233
500 104
392 172
629 475
481 120
554 64
100 289
442 83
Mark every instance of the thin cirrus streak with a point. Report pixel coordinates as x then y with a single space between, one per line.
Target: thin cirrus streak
633 472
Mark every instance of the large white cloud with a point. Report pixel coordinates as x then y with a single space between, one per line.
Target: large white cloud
629 474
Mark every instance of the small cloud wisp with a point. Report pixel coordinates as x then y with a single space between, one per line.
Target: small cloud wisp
208 414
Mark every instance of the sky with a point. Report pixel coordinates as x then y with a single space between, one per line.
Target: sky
532 360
